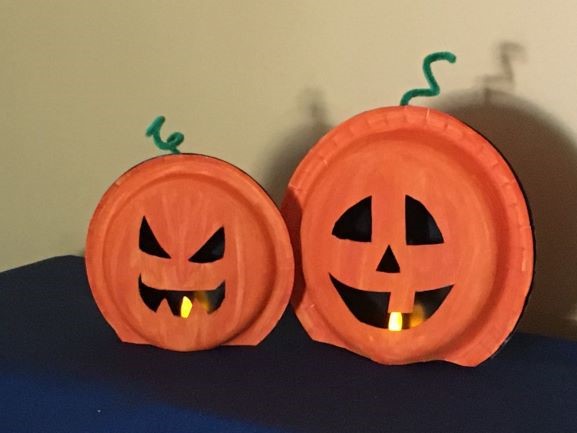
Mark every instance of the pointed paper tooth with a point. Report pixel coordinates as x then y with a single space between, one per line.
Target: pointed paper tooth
395 321
185 307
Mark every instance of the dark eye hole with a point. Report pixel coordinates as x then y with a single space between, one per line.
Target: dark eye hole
147 241
356 223
212 250
420 226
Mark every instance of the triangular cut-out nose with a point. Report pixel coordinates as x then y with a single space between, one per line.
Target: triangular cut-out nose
389 263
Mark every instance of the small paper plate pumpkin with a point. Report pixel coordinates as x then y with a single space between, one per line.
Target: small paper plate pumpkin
413 238
187 252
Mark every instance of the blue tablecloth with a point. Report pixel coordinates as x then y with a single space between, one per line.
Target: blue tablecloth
62 369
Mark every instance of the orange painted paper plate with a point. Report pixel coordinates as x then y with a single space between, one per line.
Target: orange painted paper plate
412 237
187 252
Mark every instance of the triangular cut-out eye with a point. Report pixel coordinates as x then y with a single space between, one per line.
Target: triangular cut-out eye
147 241
356 223
421 228
212 250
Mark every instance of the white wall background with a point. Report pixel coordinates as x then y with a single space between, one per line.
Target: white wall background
257 82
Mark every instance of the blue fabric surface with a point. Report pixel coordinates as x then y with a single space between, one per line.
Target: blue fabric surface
62 369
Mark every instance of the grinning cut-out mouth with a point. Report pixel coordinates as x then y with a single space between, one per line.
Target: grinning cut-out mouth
371 308
210 300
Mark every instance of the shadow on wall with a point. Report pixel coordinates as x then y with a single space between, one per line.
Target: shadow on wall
295 144
544 157
545 160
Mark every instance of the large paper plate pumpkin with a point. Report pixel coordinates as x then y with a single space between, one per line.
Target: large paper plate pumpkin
413 238
187 252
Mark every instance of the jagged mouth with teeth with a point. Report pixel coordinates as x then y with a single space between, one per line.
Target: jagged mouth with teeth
180 301
371 308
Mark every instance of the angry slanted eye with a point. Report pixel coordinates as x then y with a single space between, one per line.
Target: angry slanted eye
420 226
212 250
356 223
147 241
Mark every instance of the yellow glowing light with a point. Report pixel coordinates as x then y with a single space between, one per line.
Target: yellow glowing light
185 307
395 321
202 299
417 316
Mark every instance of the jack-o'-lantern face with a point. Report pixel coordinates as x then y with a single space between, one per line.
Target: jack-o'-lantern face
181 302
413 239
187 252
403 306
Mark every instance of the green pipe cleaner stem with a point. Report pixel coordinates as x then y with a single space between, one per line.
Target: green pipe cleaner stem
172 142
434 88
